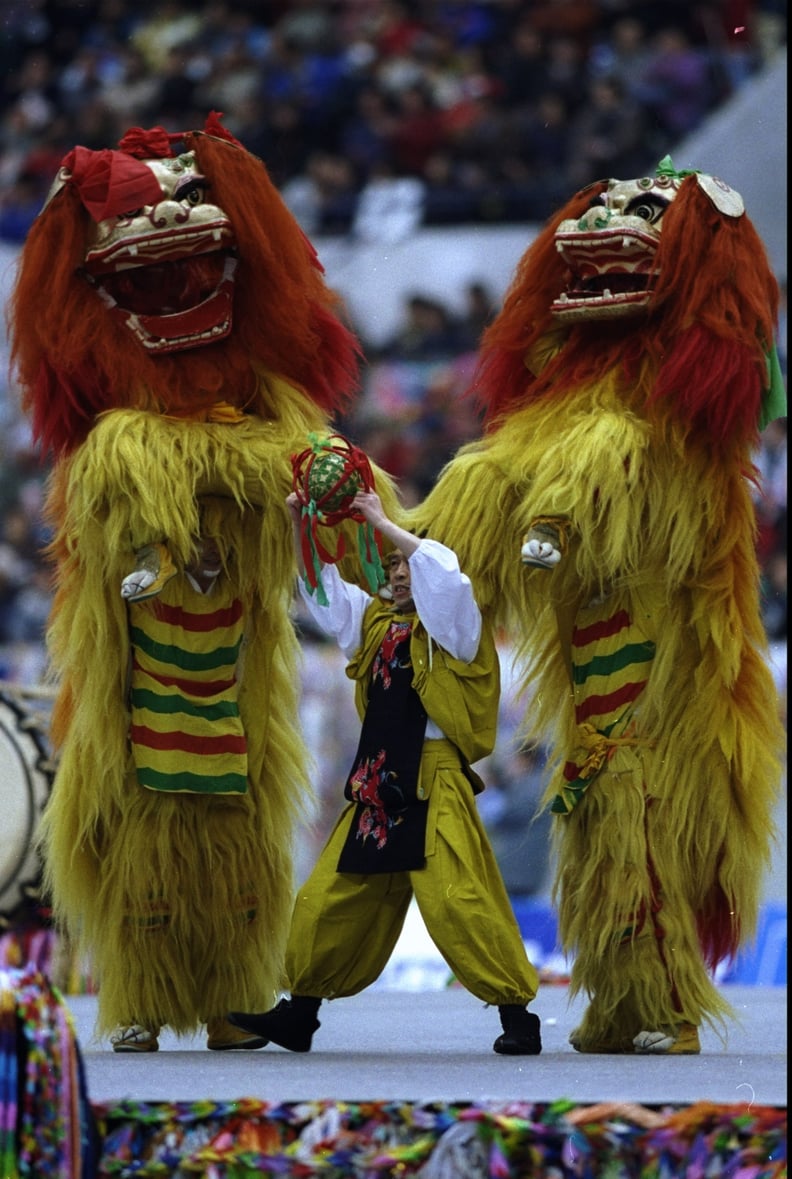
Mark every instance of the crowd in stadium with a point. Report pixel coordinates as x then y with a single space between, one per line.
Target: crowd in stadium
471 113
491 110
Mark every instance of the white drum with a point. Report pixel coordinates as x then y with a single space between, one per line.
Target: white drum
26 774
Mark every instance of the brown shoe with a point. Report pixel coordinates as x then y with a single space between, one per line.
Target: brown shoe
222 1036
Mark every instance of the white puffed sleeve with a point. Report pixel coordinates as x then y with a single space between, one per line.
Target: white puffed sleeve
342 618
444 600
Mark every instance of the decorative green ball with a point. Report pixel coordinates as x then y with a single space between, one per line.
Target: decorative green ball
326 470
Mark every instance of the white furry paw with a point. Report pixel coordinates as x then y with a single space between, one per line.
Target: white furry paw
136 583
134 1037
154 568
656 1043
540 553
680 1040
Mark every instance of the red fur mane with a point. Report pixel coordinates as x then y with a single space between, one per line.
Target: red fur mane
709 327
73 360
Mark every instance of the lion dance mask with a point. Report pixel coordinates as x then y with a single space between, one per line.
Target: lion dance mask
607 520
175 343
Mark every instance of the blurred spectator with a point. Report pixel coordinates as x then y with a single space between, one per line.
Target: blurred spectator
459 78
132 92
392 450
389 207
26 622
609 135
782 327
307 25
23 528
621 52
169 29
769 28
324 197
277 139
444 420
480 309
177 91
108 27
20 202
396 29
576 19
428 331
233 77
440 92
419 129
770 497
774 596
481 140
365 136
676 88
565 68
522 67
510 809
31 90
13 573
540 165
734 53
451 196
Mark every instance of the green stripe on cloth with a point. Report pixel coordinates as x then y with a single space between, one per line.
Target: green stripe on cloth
173 656
631 654
192 783
169 705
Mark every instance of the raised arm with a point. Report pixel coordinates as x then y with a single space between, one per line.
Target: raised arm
369 505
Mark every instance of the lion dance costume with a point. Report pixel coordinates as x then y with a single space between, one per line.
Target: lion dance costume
606 518
176 343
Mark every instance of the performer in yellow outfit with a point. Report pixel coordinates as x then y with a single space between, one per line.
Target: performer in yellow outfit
174 339
606 518
427 684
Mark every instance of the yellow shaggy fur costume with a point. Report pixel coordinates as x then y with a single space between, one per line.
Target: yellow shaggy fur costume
180 351
623 414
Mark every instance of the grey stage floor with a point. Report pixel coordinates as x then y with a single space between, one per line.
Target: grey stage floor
437 1046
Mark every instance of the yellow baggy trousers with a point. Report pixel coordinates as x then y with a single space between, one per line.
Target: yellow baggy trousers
345 926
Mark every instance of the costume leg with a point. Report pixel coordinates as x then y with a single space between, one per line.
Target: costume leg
463 900
634 941
344 926
191 916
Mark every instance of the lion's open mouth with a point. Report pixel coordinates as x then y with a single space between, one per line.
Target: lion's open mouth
173 306
165 288
611 271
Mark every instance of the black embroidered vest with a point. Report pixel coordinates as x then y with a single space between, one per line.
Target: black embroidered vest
388 828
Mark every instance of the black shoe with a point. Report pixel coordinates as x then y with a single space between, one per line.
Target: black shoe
291 1024
521 1032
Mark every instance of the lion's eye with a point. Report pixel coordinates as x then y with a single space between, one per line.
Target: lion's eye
192 192
647 210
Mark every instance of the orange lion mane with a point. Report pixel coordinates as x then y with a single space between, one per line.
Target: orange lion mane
708 329
74 360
